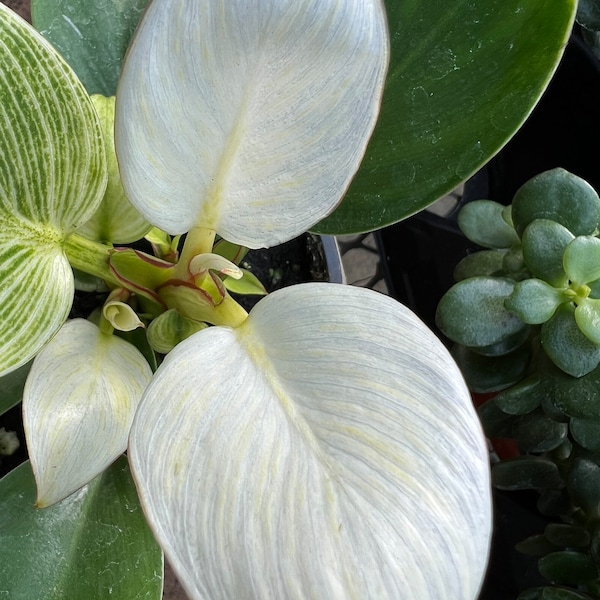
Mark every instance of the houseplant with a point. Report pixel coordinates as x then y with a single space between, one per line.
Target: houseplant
349 338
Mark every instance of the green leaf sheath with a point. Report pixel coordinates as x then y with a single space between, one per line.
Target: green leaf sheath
463 77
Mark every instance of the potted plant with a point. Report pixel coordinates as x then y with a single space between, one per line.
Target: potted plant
301 449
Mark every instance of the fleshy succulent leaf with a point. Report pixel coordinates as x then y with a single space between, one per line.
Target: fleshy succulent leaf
78 405
534 301
52 177
587 317
544 242
272 479
276 103
482 222
559 196
479 264
472 312
566 345
582 259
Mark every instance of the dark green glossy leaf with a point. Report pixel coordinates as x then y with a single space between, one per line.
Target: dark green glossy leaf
11 388
526 473
491 373
563 534
559 196
565 344
521 398
568 567
472 312
586 432
463 77
479 264
583 483
535 432
544 242
94 544
481 222
92 35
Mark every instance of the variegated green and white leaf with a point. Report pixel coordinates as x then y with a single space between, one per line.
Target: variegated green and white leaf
249 118
327 448
116 220
78 405
52 177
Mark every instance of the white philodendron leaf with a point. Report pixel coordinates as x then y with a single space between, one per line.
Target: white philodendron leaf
327 448
78 405
248 117
52 177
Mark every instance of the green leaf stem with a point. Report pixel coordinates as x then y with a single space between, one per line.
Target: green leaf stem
52 177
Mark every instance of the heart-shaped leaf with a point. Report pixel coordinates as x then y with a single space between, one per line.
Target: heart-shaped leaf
92 35
78 405
463 77
326 448
94 544
275 102
52 177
